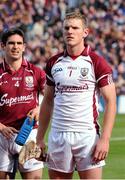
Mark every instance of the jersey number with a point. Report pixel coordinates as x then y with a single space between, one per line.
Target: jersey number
16 84
70 73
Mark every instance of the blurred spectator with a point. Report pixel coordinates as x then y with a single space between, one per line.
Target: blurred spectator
42 22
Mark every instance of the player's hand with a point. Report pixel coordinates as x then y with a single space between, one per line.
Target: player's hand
29 151
8 132
101 150
34 113
40 143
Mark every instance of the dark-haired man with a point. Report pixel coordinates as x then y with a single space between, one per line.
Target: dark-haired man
20 85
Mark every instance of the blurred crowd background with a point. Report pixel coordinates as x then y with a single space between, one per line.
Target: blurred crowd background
41 20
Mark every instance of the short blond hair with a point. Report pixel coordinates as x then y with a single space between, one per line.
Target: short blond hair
77 14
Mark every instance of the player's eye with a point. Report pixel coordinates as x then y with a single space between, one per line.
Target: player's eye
66 28
13 43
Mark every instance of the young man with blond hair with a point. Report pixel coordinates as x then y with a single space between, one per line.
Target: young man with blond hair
75 79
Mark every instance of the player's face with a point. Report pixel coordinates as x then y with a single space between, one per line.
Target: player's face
74 31
14 47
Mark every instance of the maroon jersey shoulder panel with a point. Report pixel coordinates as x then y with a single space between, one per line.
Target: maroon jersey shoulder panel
103 71
50 63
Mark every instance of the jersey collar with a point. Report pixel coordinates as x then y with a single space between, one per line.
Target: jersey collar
85 52
7 68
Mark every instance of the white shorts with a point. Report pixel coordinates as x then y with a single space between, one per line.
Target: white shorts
8 148
72 150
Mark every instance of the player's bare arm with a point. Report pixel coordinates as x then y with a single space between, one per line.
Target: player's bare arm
102 147
34 113
45 114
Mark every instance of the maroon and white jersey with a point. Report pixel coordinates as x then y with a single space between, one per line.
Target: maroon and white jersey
19 92
77 81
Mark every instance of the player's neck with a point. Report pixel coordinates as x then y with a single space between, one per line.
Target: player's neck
75 50
14 64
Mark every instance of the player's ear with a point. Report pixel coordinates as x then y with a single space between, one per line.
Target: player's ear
86 32
2 45
24 47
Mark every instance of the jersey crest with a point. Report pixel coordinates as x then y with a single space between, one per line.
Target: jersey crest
29 81
84 71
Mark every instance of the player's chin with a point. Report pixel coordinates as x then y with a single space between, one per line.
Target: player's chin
70 43
15 58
